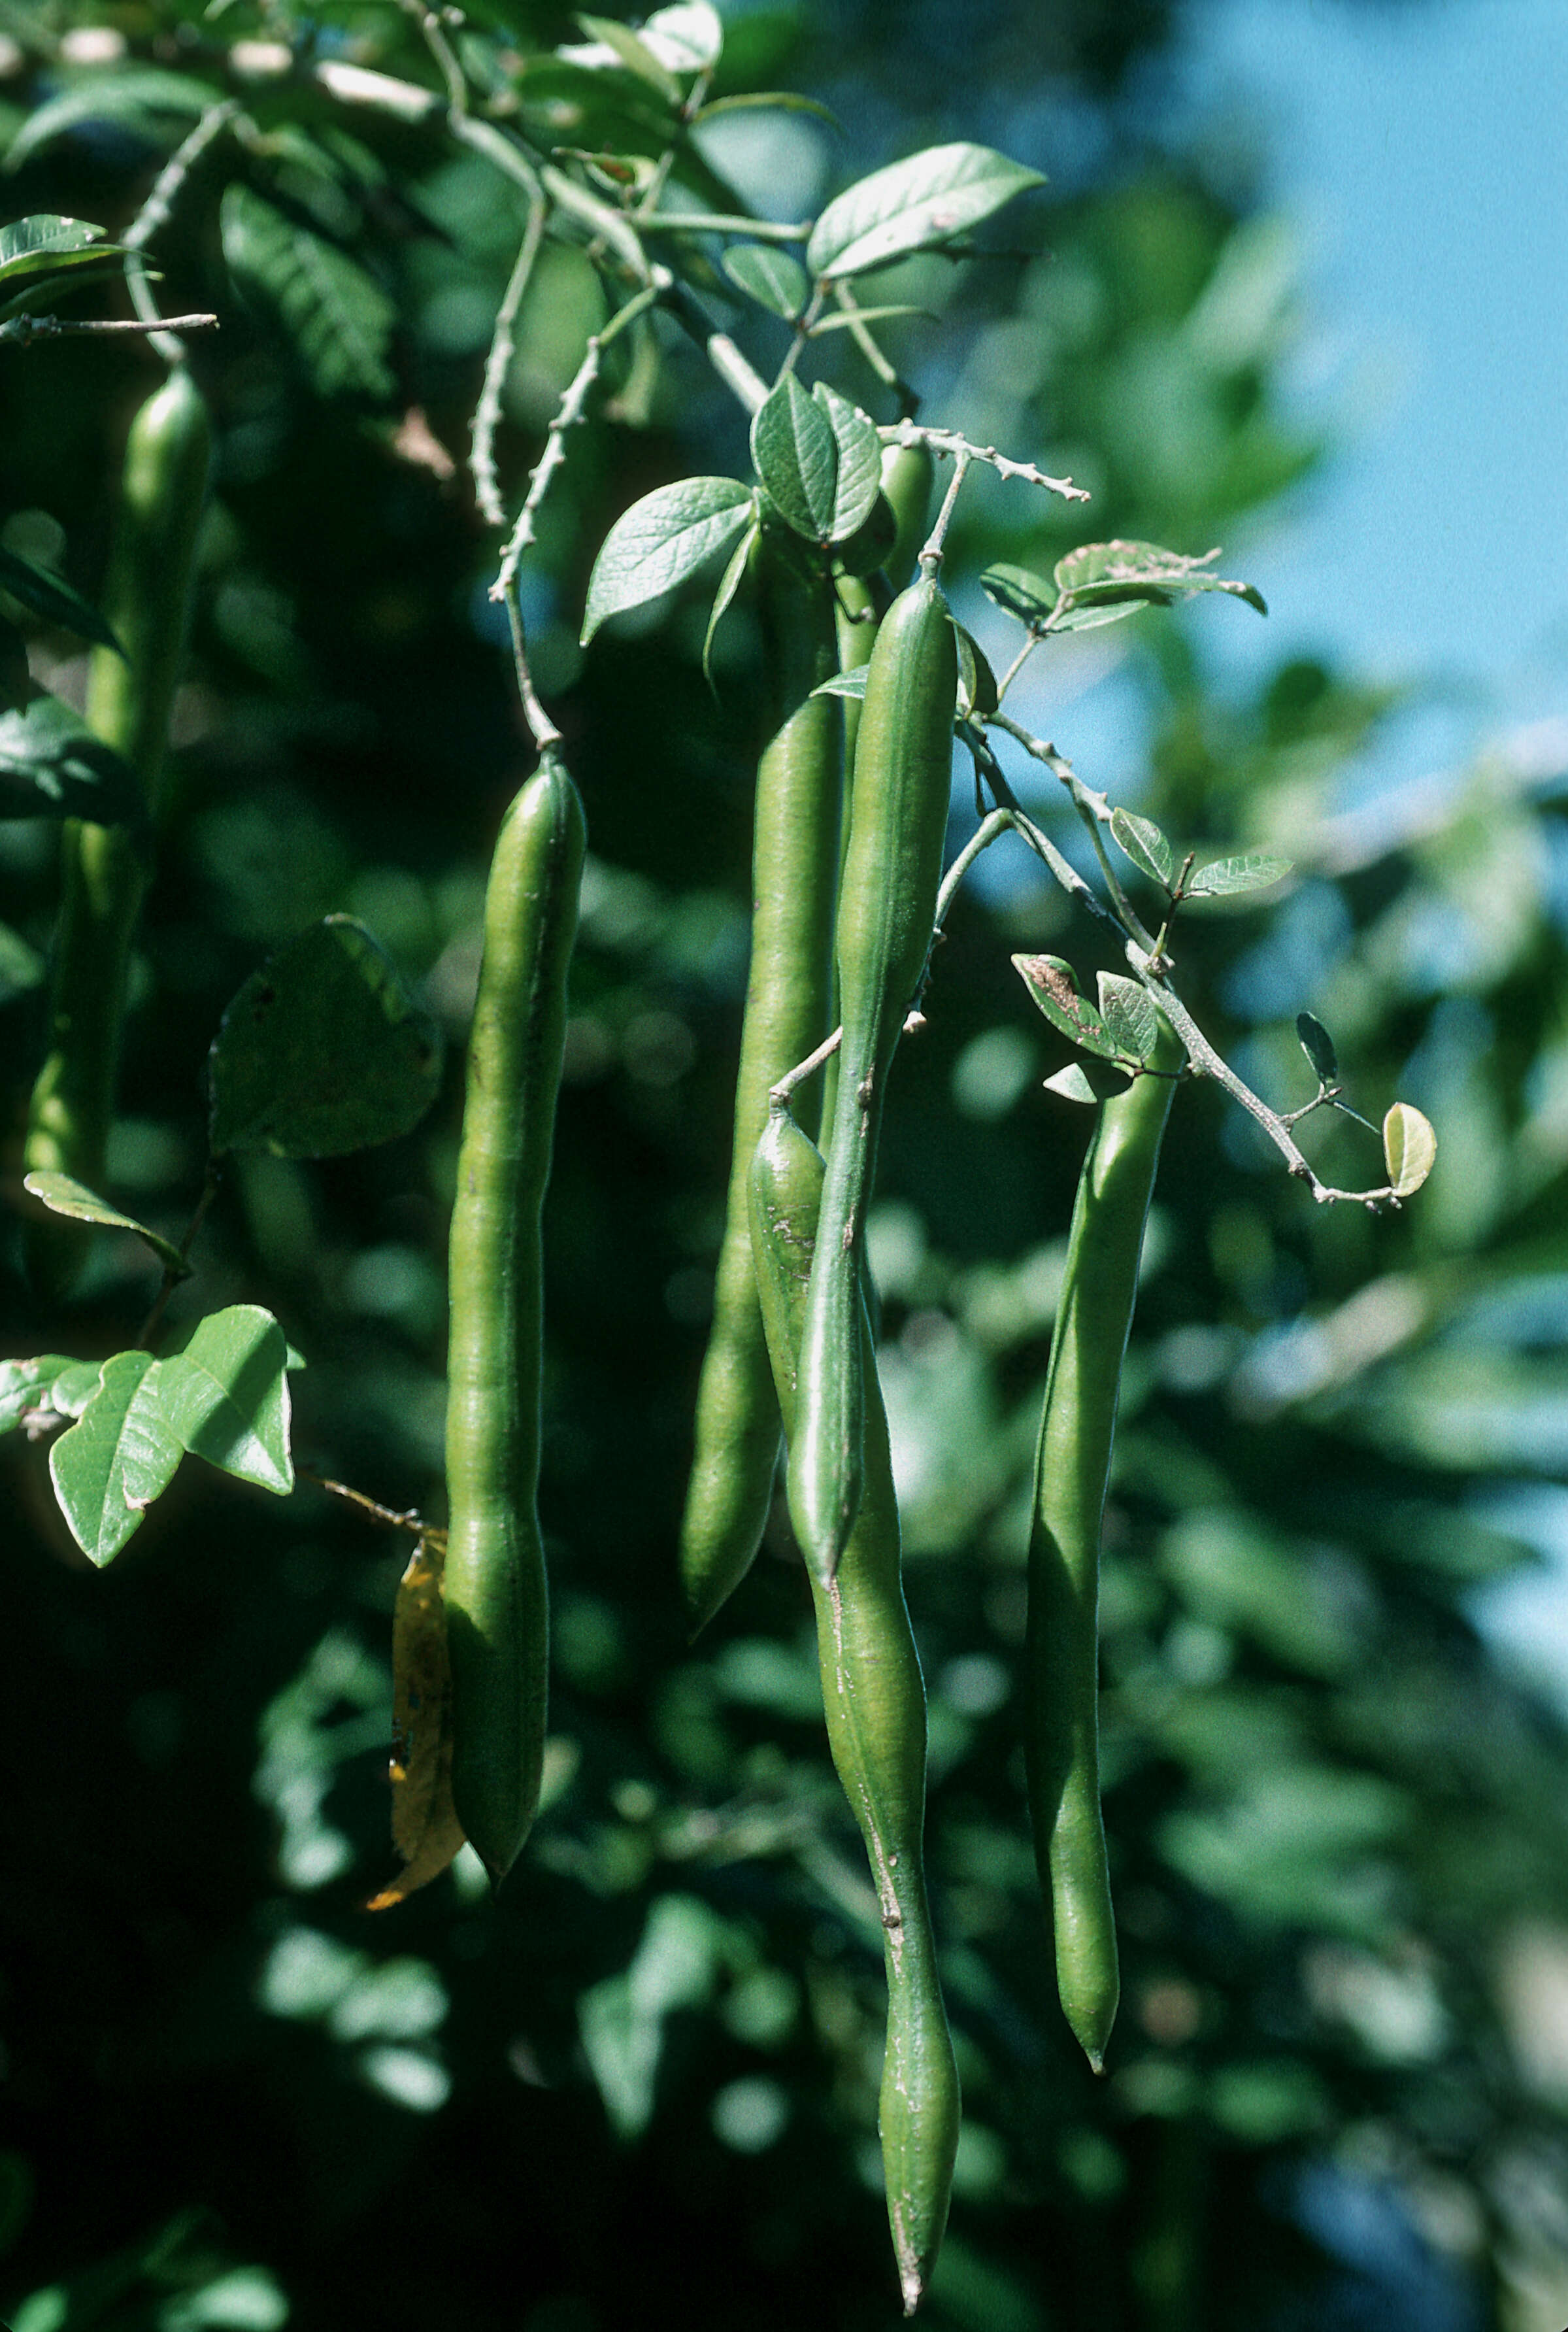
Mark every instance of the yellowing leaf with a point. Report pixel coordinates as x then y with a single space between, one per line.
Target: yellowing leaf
425 1829
1410 1148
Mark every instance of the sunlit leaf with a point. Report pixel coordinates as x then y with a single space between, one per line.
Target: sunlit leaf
1090 1082
845 684
819 461
110 1465
1226 878
916 205
1054 988
226 1396
1410 1148
322 1051
24 1385
1130 1013
660 540
63 1194
53 766
1102 581
1145 844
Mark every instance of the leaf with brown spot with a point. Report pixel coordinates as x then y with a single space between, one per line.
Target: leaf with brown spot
425 1829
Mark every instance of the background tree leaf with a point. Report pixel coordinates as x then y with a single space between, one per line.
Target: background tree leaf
51 596
331 309
53 766
660 540
225 1396
322 1051
110 1465
916 205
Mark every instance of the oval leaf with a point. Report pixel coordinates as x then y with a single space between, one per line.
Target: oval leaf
1054 987
1226 878
660 540
775 279
1130 1013
858 449
226 1396
110 1465
42 241
917 204
1100 581
1410 1148
1145 844
1318 1045
322 1051
63 1194
797 457
1019 592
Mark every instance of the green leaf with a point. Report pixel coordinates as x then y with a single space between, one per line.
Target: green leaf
859 452
769 101
1410 1148
1020 593
322 1051
53 598
337 317
110 1465
62 1195
1053 985
45 243
226 1396
688 37
1130 1014
1318 1045
145 101
25 1384
1086 1081
660 540
53 766
977 683
775 279
635 54
917 204
74 1387
1148 849
729 584
21 966
1225 878
1101 582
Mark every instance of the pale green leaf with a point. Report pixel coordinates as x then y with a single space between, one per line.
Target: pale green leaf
630 50
845 684
1086 1081
775 279
1410 1148
917 204
1226 878
1145 844
857 482
660 540
797 458
226 1396
1130 1014
110 1465
1101 581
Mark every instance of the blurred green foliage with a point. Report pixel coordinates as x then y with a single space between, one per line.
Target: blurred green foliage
645 2079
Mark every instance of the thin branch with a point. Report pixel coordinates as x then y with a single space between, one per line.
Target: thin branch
719 223
860 332
779 1095
1093 809
995 822
545 732
173 1275
388 1516
481 448
21 330
154 216
568 413
1040 843
949 442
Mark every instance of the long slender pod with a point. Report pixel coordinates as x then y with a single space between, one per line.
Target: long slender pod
1072 1469
902 772
145 597
795 863
874 1699
494 1585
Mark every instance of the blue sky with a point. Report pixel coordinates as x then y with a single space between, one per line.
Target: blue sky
1421 150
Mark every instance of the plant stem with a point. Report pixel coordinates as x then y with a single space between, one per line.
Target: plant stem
481 451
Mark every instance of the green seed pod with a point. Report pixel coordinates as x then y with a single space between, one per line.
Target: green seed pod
494 1582
795 858
1072 1468
893 871
145 597
874 1700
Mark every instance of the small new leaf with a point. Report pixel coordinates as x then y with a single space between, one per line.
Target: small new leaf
1130 1013
226 1396
63 1194
921 203
1410 1148
1226 878
1054 988
1318 1045
660 540
1148 849
112 1463
1086 1081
